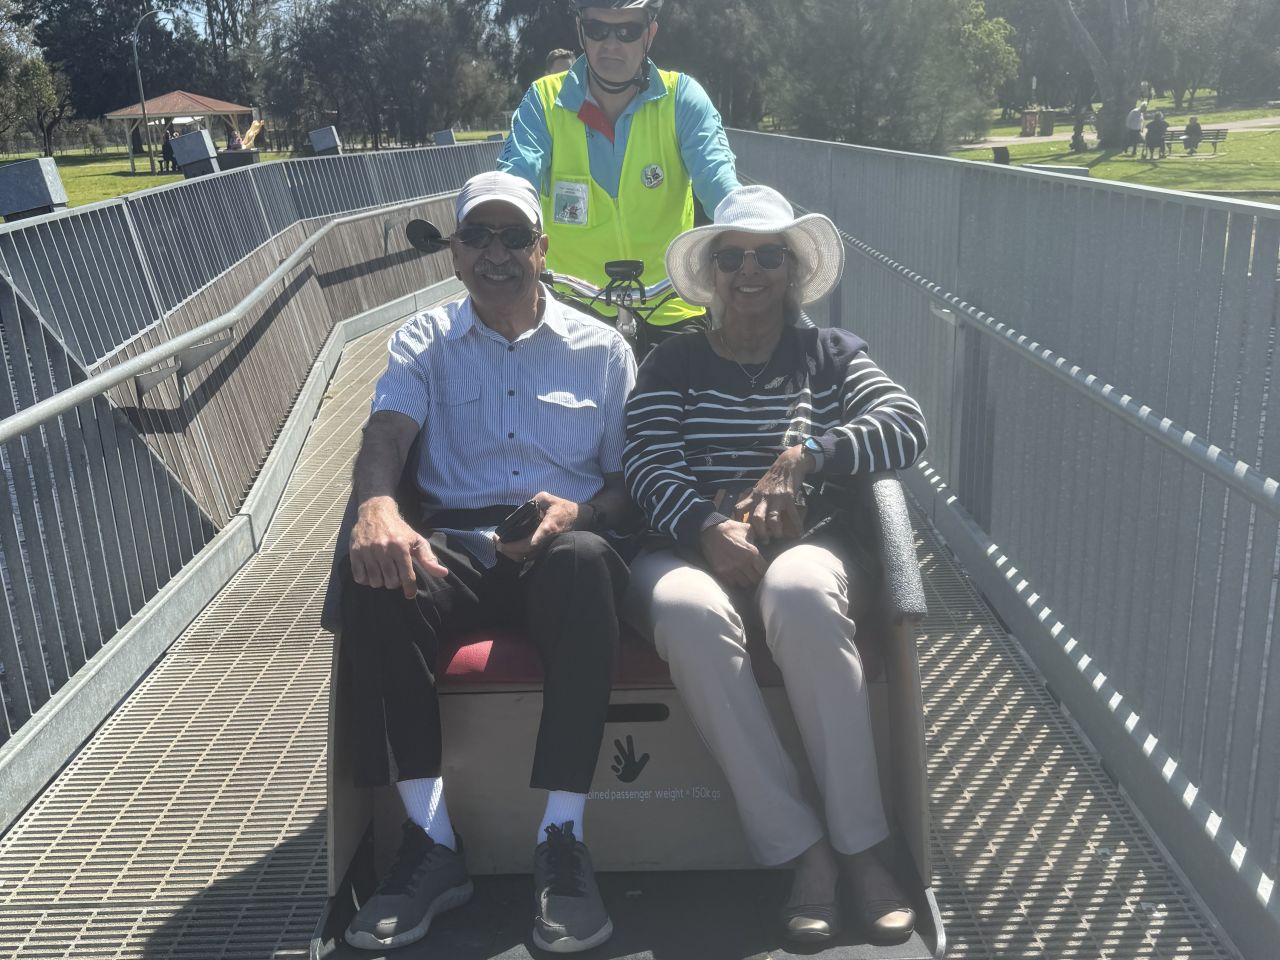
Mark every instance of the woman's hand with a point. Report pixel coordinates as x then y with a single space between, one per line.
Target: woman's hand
775 505
558 515
384 549
731 555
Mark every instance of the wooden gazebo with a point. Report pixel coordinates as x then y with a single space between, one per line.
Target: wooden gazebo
178 105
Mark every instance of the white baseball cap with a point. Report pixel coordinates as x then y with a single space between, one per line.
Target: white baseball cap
505 187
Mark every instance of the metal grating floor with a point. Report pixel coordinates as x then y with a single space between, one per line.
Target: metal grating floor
192 825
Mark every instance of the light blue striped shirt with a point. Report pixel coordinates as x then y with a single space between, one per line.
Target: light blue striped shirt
503 420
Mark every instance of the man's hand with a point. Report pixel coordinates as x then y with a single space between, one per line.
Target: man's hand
384 548
558 516
732 556
771 506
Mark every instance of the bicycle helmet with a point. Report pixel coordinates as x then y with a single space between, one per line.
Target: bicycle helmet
654 7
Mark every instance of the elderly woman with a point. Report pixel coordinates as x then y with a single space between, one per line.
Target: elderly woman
727 431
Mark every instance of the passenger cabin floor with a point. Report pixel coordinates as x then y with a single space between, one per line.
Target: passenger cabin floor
193 824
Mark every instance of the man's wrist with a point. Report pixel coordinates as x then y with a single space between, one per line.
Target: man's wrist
592 521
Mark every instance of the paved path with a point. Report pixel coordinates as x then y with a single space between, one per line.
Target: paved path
1062 132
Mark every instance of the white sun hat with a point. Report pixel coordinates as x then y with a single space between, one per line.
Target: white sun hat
763 210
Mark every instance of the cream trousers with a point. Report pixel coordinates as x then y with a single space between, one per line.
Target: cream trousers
806 600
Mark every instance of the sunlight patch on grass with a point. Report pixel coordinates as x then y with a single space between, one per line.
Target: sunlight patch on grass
1246 161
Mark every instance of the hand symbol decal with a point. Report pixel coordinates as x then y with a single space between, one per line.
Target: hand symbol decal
625 764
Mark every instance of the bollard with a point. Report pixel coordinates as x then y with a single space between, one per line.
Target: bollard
29 188
194 154
325 142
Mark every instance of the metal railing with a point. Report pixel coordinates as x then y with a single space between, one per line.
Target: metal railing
103 273
1097 363
120 464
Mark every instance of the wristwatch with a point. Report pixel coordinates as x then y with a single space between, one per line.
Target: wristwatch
815 450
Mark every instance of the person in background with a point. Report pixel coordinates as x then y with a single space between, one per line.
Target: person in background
1156 130
1133 129
558 61
1192 136
167 161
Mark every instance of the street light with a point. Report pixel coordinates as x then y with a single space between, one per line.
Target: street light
142 97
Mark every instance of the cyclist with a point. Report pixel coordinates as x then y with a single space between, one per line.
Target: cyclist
617 148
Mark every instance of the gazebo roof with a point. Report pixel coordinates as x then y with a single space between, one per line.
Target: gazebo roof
179 103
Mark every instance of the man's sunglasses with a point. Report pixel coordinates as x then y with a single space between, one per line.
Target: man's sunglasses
513 237
628 32
769 257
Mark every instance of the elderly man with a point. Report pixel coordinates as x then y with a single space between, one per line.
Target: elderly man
512 397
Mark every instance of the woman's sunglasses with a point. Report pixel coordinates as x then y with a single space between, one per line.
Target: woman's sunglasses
513 237
628 32
769 257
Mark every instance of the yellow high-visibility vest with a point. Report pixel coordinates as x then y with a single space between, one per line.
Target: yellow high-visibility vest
586 226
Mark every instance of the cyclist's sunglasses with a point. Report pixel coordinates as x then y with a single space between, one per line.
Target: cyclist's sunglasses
513 237
769 257
628 32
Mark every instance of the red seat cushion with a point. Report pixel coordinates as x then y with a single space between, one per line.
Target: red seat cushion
506 657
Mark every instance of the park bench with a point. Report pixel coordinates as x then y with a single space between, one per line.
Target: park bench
1214 136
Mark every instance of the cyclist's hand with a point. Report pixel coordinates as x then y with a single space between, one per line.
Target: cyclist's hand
732 557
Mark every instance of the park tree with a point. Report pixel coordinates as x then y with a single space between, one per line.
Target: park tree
1118 45
890 73
385 68
45 98
1249 54
1062 75
1191 33
92 43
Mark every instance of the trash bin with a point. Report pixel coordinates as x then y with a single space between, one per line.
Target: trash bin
1030 119
1046 123
1000 154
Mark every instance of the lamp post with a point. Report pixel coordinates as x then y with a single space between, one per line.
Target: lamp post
142 97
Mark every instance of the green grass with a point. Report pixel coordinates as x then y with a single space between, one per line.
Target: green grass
88 179
1206 109
1246 162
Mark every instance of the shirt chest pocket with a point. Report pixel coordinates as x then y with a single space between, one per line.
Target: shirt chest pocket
569 424
453 393
459 404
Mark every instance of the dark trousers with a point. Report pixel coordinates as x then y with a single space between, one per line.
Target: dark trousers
565 600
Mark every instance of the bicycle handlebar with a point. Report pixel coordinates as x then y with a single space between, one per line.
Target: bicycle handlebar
612 293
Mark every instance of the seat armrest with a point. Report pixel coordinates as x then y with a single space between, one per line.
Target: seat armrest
904 589
331 612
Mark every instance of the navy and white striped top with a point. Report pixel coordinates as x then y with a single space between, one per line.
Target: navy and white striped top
696 425
504 420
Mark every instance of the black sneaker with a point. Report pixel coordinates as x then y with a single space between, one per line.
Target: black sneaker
426 879
571 915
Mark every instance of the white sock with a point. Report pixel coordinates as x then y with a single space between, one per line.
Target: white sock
561 808
424 803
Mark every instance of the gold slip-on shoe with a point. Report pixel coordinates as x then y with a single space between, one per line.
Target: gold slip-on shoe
886 921
810 923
